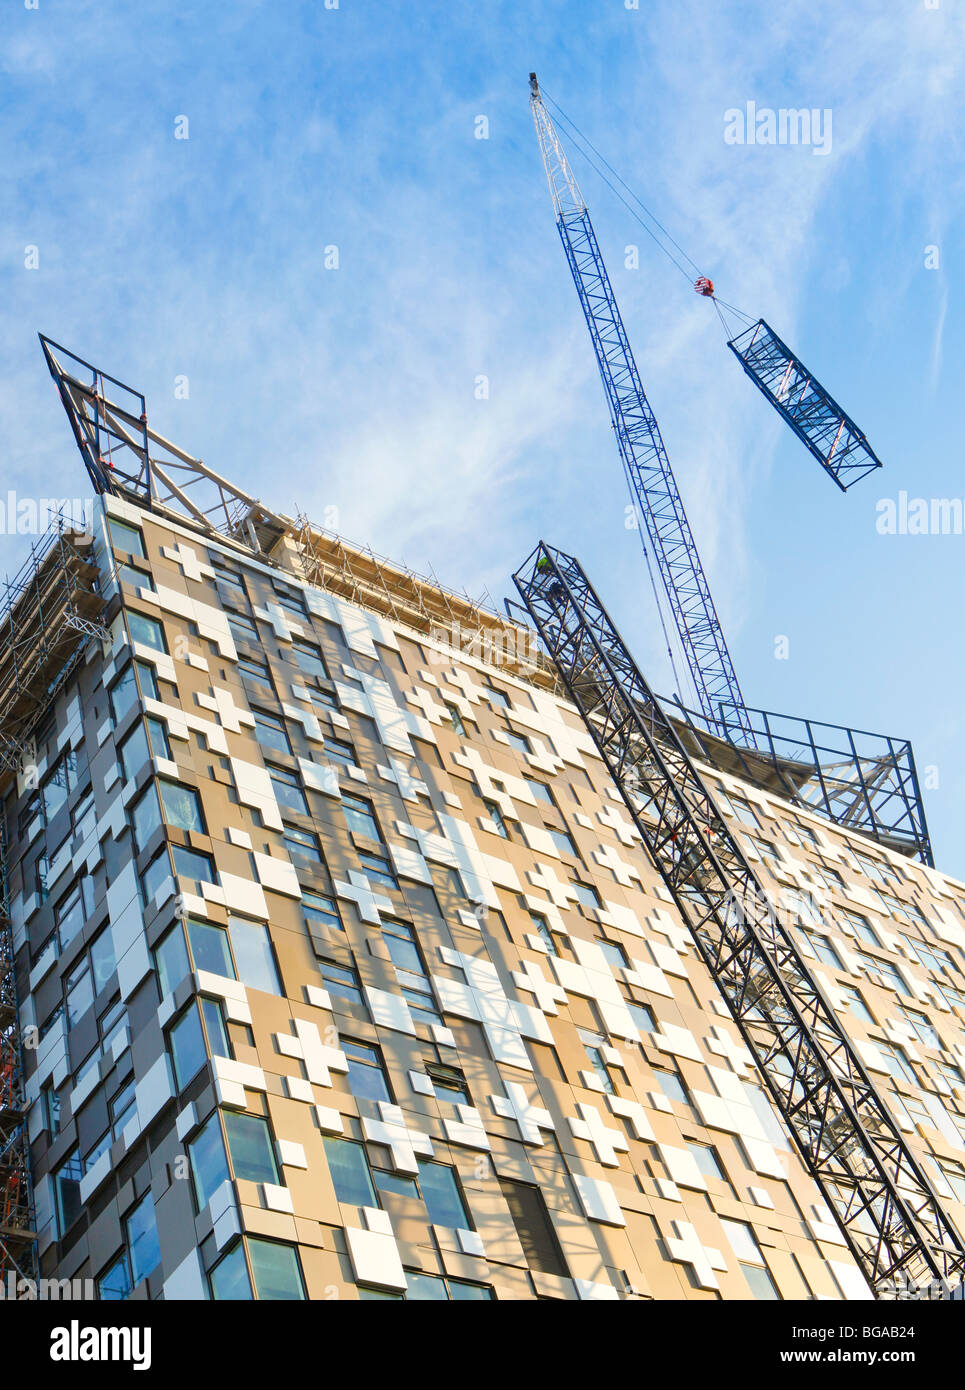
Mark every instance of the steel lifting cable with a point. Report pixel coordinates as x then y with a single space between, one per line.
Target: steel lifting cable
581 140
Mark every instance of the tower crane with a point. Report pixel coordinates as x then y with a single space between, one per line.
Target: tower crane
647 467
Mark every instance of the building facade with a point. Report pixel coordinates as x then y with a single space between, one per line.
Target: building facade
344 974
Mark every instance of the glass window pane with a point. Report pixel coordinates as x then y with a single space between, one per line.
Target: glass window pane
440 1193
181 806
142 1239
192 866
147 631
187 1047
127 539
171 956
115 1283
209 1163
252 949
209 946
425 1287
146 817
229 1278
252 1154
365 1076
215 1027
276 1270
134 752
350 1173
462 1292
102 960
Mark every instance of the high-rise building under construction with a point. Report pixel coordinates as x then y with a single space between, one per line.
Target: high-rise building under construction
342 968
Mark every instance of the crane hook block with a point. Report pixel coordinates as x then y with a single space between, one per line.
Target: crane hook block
704 286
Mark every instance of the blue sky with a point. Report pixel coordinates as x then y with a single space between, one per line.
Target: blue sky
355 388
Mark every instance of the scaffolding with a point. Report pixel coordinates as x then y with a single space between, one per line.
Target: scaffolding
49 611
472 627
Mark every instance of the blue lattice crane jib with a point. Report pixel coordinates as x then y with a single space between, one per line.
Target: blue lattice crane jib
823 427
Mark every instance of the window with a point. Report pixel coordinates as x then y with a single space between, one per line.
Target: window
671 1085
563 842
320 909
366 1070
199 1031
67 1188
270 732
302 845
706 1160
585 895
615 955
592 1046
349 1172
138 679
230 582
823 949
541 927
147 631
895 1061
378 867
250 1146
518 741
182 806
70 916
288 790
860 926
343 982
409 969
642 1016
541 791
360 816
192 867
242 628
115 1283
256 672
142 1240
229 1279
922 1026
276 1270
534 1228
254 957
853 1002
310 659
209 1162
744 1245
138 579
449 1085
134 752
146 817
51 1098
497 698
157 736
455 720
441 1194
292 601
341 752
423 1287
126 539
210 949
883 973
496 816
102 960
80 992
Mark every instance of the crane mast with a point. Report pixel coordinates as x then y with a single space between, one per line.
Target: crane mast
645 461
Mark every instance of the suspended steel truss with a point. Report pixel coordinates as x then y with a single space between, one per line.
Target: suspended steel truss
814 416
647 467
888 1213
862 781
125 456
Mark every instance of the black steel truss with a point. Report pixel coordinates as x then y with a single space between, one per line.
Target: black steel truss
859 780
888 1212
814 416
